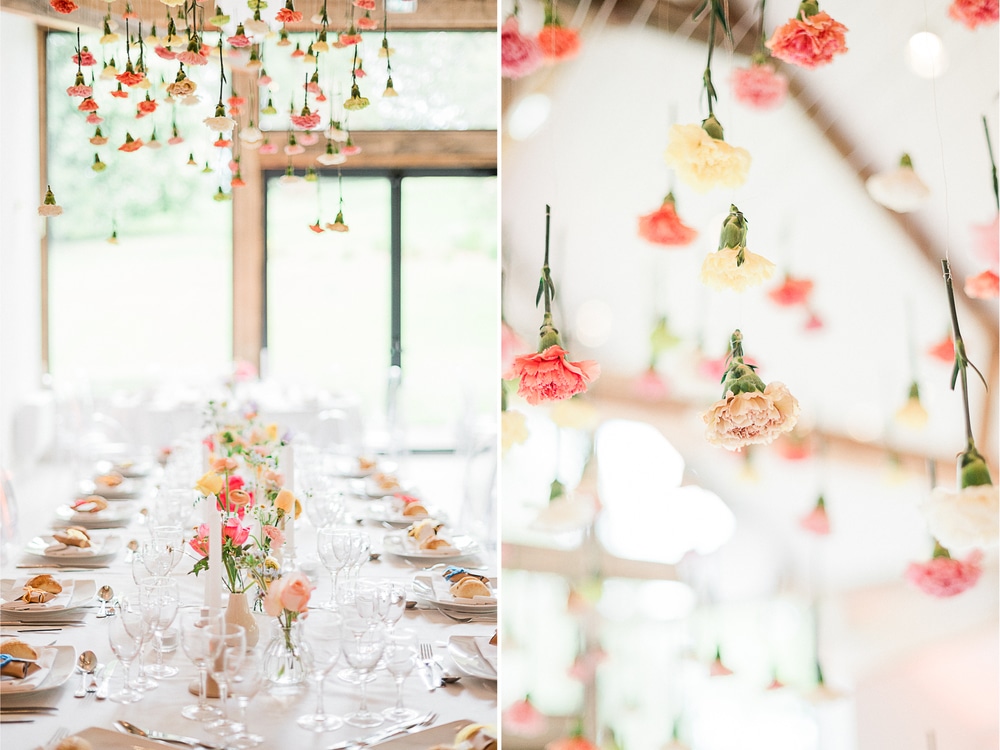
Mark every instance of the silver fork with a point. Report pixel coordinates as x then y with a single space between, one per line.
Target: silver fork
54 740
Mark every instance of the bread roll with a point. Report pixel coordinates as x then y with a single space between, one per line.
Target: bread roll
20 650
434 542
44 582
415 510
90 504
469 588
73 536
111 479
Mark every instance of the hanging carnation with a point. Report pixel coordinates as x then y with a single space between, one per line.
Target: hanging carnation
85 58
749 412
119 93
912 414
513 429
146 107
129 76
520 55
733 266
288 14
943 576
816 521
292 147
549 375
94 119
650 385
943 351
220 123
974 13
193 55
366 22
356 101
239 39
523 719
986 243
164 53
664 227
305 119
87 105
309 138
760 86
792 292
49 206
332 156
809 40
703 159
182 85
175 137
985 285
63 6
899 189
338 224
131 144
79 87
350 37
558 43
99 138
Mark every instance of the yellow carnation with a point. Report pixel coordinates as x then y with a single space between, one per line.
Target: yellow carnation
703 162
912 414
722 270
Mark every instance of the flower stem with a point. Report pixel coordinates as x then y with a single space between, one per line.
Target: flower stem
707 77
960 359
993 163
546 273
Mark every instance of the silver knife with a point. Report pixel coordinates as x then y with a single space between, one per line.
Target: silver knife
381 736
131 729
102 691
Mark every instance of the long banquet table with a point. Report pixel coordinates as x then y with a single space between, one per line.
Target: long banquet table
439 480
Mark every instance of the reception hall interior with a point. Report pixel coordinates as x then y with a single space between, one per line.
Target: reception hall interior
243 245
662 589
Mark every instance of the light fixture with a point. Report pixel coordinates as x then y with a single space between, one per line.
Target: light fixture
528 116
926 55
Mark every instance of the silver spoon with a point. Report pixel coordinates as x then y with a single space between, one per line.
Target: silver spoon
86 663
105 594
374 556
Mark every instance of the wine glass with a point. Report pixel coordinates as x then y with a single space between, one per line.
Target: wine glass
322 632
198 643
127 632
400 658
392 603
323 507
360 547
233 650
159 598
333 546
243 686
362 645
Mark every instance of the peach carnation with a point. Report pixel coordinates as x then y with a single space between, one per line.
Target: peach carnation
810 40
549 376
760 86
664 227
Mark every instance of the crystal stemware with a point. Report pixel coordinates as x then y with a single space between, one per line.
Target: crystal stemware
127 632
323 632
203 649
334 548
243 686
159 599
362 645
400 658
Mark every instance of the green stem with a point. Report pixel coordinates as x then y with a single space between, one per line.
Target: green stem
546 275
709 88
960 358
993 164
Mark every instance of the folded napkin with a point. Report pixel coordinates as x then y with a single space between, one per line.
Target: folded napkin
36 674
58 549
442 593
59 602
487 651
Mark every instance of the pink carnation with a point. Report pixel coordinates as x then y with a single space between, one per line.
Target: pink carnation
276 536
650 386
63 6
366 23
268 148
511 345
808 42
759 86
550 376
523 719
306 121
189 57
94 119
985 285
558 43
165 53
82 91
943 351
287 15
986 243
664 227
86 59
816 521
944 576
792 292
364 4
520 55
347 39
974 13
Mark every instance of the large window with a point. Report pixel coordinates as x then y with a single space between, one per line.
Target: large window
333 315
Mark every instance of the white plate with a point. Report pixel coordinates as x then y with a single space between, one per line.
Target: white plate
396 544
120 514
129 489
382 513
423 587
11 588
372 488
103 547
466 654
128 468
62 667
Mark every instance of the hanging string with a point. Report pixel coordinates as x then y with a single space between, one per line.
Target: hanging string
944 172
340 187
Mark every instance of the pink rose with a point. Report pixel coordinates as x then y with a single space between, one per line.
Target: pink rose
295 592
808 42
550 376
275 535
944 576
759 86
974 12
520 55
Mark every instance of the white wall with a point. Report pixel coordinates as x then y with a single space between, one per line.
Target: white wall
20 229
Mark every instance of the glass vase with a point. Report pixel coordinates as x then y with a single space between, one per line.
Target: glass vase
287 660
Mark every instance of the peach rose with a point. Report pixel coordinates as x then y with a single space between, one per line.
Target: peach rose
209 484
272 599
295 592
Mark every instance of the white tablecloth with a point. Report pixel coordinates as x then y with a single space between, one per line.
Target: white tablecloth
439 479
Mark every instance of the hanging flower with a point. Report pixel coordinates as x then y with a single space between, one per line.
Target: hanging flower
269 109
221 196
221 142
986 243
912 414
520 55
985 285
99 138
943 576
87 105
131 144
182 86
900 189
94 119
317 227
733 266
814 322
332 156
817 521
350 149
292 148
146 107
664 227
85 58
974 13
109 37
306 119
650 386
220 123
366 23
513 429
164 53
267 148
557 43
356 102
49 206
350 38
523 719
364 4
193 55
573 742
288 14
119 93
385 51
809 40
79 87
549 375
969 517
338 224
511 345
109 71
321 44
749 412
175 138
98 165
309 138
943 351
390 91
793 446
63 6
251 134
264 79
129 77
153 143
240 38
759 86
702 158
791 292
717 668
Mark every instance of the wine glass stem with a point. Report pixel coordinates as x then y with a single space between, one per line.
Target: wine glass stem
203 687
158 647
319 695
399 693
363 684
127 667
333 592
224 695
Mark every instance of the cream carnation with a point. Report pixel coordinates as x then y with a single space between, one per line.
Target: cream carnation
751 418
703 162
899 189
721 269
966 519
513 429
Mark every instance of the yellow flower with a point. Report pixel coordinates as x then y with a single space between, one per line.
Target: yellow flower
722 270
513 430
272 431
912 414
751 417
209 484
285 501
703 162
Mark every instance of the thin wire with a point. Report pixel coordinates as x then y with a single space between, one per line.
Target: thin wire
944 172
